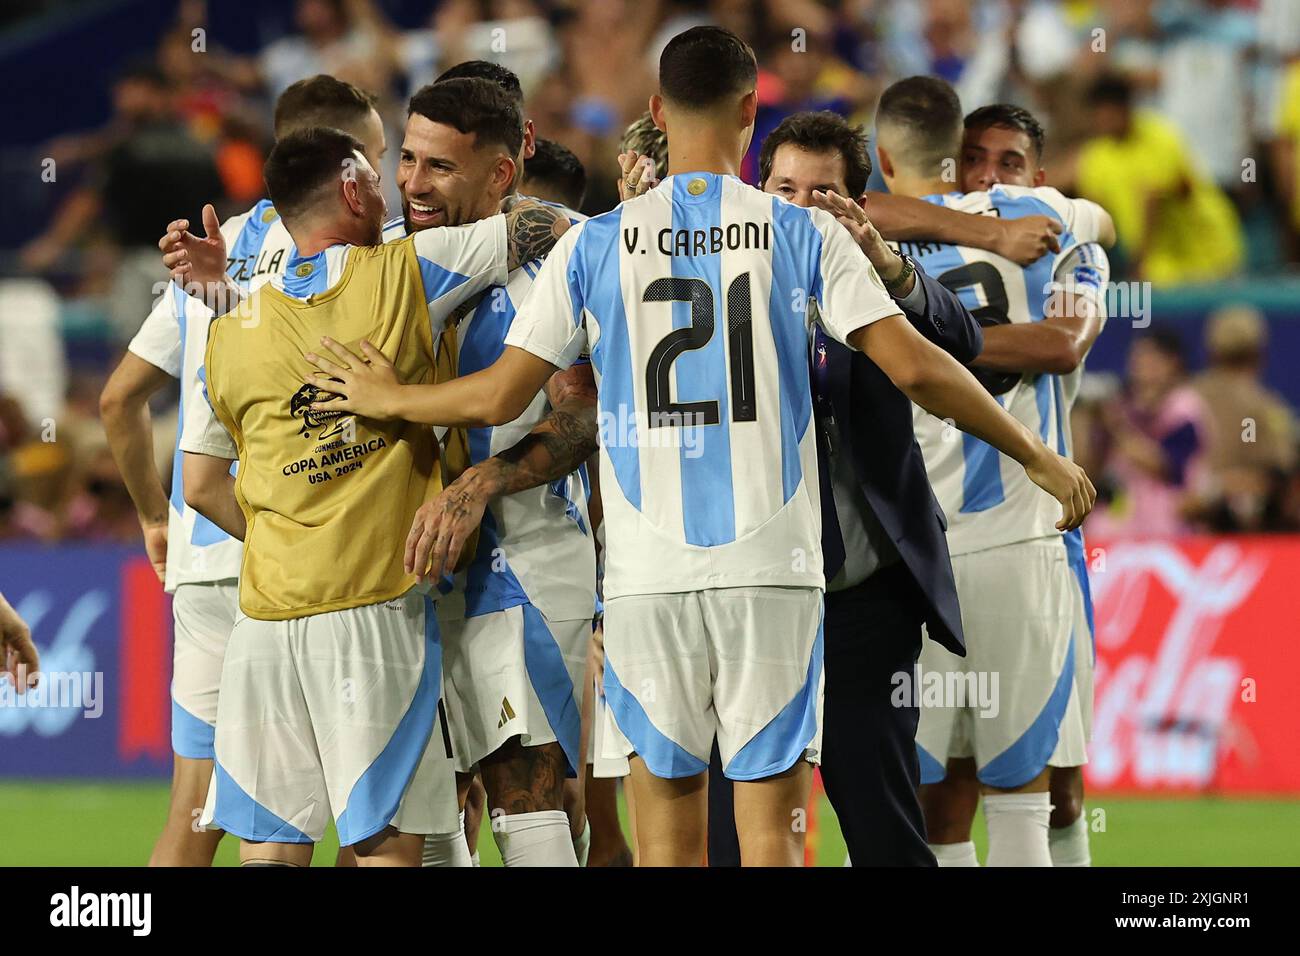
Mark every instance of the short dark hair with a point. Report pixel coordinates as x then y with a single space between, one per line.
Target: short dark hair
502 76
472 105
303 163
1008 116
704 65
927 109
821 132
556 167
321 100
1112 88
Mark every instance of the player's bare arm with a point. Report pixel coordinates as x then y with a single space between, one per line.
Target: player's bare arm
887 263
935 380
1056 345
124 411
904 218
369 387
19 660
210 490
554 448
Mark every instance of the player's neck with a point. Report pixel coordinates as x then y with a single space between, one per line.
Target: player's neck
903 184
704 154
311 240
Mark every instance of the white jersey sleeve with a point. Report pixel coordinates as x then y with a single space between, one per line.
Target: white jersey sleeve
459 262
1081 217
202 432
849 292
549 322
159 340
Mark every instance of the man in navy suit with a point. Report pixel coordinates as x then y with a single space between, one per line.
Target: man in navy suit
886 559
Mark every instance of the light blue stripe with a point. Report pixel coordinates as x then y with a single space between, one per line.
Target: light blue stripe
1043 399
1026 758
248 244
932 770
796 275
663 757
1077 554
191 737
315 282
708 499
594 282
238 813
777 747
981 481
549 675
437 280
378 793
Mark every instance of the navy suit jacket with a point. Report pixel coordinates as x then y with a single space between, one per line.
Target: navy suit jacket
875 420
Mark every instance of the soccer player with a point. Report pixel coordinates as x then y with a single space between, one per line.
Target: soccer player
1003 145
330 684
692 301
197 561
516 625
1018 593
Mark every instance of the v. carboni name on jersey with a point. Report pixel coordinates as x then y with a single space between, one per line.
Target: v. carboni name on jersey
329 498
692 303
971 479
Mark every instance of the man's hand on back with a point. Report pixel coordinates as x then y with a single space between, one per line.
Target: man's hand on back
1027 239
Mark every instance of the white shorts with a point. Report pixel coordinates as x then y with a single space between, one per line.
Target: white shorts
513 673
608 749
743 665
204 616
333 714
1013 703
1085 657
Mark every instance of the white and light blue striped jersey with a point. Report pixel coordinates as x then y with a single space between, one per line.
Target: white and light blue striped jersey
173 338
986 497
693 303
534 546
456 264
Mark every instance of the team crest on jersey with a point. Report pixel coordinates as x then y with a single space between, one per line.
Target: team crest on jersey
304 270
329 423
696 186
269 214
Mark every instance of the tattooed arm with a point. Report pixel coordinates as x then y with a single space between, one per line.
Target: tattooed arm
531 229
556 447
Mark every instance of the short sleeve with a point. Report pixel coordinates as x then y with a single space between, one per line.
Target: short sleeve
159 340
202 432
848 291
549 322
459 262
1081 217
1084 270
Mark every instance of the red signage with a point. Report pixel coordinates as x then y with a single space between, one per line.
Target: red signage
1197 663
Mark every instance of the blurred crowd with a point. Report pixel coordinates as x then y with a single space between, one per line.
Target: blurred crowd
1182 117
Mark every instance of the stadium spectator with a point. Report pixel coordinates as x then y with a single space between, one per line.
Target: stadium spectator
1158 433
1174 224
1253 433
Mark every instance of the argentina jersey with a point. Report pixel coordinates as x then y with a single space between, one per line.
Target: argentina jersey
534 546
986 497
173 338
692 301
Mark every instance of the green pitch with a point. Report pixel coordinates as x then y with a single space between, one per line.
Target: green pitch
115 824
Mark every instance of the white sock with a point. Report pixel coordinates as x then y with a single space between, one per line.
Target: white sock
535 839
447 849
474 859
955 854
582 845
1069 845
1018 825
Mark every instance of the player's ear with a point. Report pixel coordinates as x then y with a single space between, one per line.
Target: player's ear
1040 176
352 195
530 139
886 164
749 108
504 174
657 112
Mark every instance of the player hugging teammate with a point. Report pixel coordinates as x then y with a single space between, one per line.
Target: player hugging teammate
409 616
